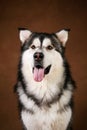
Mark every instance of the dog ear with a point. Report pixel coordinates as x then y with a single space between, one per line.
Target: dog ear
24 34
63 36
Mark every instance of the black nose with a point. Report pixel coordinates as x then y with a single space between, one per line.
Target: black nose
38 56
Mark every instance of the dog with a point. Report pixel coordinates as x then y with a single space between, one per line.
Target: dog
44 84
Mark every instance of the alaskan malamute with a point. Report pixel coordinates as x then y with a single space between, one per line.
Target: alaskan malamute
44 85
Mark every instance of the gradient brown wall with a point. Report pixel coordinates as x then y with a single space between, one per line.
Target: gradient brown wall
42 16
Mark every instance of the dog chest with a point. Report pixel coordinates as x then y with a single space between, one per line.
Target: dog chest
46 119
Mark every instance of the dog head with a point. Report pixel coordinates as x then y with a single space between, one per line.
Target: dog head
42 54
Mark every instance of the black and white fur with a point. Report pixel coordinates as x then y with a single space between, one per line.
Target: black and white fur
45 104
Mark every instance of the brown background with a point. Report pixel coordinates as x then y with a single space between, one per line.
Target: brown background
42 16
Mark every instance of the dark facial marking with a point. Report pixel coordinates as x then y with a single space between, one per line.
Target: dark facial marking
41 36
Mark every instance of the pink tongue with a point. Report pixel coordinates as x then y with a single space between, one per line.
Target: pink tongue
38 74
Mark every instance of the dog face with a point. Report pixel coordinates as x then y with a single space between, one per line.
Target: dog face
42 55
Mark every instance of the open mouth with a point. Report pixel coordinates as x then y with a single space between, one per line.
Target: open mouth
39 72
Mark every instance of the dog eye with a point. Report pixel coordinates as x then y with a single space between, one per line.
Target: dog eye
49 47
33 47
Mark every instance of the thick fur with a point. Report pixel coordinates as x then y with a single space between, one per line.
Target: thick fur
45 104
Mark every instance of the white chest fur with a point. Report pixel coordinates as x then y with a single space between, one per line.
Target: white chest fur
47 119
55 117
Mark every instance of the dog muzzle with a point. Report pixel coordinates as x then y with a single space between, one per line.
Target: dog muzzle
39 71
